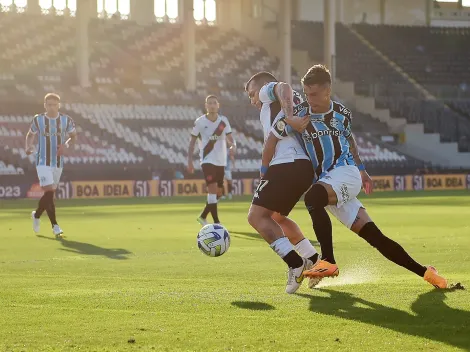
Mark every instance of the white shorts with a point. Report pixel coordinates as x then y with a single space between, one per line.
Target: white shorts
228 174
347 183
48 175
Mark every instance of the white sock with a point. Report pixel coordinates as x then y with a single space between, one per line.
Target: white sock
305 248
282 246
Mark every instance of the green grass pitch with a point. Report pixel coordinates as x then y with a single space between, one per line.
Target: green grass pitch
129 277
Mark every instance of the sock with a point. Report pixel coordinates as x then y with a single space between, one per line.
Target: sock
205 212
315 200
51 210
390 249
306 250
229 187
285 250
212 204
43 204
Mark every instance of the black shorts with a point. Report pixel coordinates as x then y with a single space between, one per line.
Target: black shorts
283 185
213 174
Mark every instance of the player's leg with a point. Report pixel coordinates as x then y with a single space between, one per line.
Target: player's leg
56 172
209 176
333 190
228 177
368 230
277 193
46 181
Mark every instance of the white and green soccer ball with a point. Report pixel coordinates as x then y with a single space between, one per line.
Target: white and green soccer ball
213 240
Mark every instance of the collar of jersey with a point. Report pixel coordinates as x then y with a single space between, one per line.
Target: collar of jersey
320 115
218 115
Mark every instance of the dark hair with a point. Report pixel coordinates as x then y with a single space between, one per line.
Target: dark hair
317 74
212 96
52 96
261 77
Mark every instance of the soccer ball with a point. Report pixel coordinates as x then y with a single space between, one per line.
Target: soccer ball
213 240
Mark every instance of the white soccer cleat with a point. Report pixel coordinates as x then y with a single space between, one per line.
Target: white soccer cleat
202 221
296 276
230 196
57 231
36 222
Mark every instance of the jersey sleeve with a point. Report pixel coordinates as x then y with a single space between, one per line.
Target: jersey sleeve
266 93
228 127
279 127
70 125
34 128
347 126
195 131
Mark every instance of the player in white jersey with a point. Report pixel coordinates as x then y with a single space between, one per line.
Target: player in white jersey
55 132
287 178
213 132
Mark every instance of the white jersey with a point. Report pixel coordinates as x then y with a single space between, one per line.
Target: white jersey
288 149
211 139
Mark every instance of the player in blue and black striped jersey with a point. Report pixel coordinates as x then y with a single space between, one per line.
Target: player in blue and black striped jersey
55 132
339 177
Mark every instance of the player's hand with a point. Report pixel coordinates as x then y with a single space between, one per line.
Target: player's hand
29 150
190 167
61 149
299 123
367 183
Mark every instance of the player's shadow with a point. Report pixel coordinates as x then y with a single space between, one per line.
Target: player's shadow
256 236
90 249
253 305
433 319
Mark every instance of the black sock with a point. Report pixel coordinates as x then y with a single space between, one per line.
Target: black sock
42 205
205 212
314 258
390 249
51 211
293 259
316 199
213 210
229 187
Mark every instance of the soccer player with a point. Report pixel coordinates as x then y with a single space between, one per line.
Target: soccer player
56 132
284 181
339 175
213 132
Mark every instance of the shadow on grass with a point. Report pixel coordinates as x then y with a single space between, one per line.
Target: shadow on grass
432 318
90 249
253 305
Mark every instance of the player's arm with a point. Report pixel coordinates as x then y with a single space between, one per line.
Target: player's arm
284 94
192 143
29 148
354 149
33 130
269 148
72 136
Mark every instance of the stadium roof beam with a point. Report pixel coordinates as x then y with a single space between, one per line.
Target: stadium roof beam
85 10
329 21
33 7
286 29
142 11
189 43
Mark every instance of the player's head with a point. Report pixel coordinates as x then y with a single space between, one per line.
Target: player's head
212 104
255 83
52 104
317 87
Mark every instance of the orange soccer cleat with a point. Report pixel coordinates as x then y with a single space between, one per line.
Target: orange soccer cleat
434 279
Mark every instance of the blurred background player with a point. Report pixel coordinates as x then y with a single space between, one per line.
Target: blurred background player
56 132
213 133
